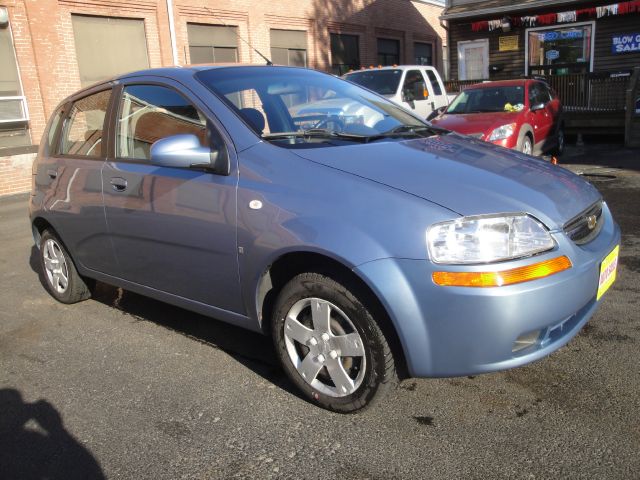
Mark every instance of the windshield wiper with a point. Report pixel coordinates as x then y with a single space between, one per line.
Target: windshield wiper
315 133
409 131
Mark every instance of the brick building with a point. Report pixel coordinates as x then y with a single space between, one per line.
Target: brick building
51 48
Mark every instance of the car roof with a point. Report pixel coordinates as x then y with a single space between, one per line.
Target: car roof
392 67
500 83
177 72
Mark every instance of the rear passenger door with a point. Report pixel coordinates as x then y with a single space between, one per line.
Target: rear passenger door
173 229
69 178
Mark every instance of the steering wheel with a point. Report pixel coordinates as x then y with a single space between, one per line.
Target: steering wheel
333 121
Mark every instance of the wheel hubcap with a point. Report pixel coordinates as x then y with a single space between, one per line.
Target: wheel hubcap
55 266
324 347
526 148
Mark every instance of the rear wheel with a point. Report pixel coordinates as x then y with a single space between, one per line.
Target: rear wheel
63 280
330 345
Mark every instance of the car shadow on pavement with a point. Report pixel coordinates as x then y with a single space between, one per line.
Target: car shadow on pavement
251 349
34 443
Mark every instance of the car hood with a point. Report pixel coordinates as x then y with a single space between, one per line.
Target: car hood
467 176
470 123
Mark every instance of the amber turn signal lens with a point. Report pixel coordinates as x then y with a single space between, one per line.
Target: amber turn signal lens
504 277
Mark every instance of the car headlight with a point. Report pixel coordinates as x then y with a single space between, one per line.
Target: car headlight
502 132
487 238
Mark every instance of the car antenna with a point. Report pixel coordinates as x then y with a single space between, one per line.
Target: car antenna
269 62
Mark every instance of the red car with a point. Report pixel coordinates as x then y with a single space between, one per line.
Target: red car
525 115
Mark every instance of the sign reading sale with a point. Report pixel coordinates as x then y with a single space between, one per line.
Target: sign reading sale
629 42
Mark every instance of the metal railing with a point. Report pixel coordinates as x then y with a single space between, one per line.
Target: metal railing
588 92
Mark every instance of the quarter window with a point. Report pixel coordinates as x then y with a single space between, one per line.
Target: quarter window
151 112
212 43
83 130
107 46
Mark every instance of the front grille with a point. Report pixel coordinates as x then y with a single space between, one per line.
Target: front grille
585 227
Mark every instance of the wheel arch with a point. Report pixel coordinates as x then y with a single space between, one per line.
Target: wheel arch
289 264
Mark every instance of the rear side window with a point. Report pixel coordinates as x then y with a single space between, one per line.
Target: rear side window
84 127
434 82
151 112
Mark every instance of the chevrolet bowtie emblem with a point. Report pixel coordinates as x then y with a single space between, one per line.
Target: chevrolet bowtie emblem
592 220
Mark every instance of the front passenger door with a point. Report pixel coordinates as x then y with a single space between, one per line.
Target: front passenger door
173 229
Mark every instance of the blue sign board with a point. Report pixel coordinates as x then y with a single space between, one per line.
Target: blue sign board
552 54
629 42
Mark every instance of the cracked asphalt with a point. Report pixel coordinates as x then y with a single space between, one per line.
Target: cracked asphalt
122 386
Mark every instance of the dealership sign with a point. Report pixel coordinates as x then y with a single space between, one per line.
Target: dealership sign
629 42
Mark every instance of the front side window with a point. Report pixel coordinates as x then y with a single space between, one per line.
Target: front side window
84 127
538 94
414 87
151 112
212 43
107 46
289 47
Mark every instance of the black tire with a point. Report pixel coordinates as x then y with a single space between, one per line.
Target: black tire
379 372
77 288
559 149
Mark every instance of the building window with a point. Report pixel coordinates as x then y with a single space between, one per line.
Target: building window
13 108
289 47
388 51
212 43
345 53
559 50
106 47
423 53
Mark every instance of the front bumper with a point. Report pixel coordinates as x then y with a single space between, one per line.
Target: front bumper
453 331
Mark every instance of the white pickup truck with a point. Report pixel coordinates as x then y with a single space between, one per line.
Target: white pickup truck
417 88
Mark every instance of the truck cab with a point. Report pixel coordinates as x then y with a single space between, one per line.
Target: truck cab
417 88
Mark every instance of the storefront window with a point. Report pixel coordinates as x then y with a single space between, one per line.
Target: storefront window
559 51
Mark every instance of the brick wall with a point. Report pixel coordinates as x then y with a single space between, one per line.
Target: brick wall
45 49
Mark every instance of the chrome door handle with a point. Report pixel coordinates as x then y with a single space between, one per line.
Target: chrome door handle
119 184
52 173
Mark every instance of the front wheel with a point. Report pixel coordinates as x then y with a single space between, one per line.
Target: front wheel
329 344
527 146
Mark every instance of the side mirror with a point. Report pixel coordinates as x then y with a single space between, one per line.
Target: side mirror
185 151
407 96
537 106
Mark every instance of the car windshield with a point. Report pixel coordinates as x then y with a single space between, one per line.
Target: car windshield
384 82
488 99
295 106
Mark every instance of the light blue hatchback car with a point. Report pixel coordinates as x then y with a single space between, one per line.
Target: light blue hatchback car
369 244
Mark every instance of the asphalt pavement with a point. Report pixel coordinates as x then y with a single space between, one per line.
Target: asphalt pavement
122 386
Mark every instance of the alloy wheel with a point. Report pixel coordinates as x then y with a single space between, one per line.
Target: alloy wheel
324 347
55 266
